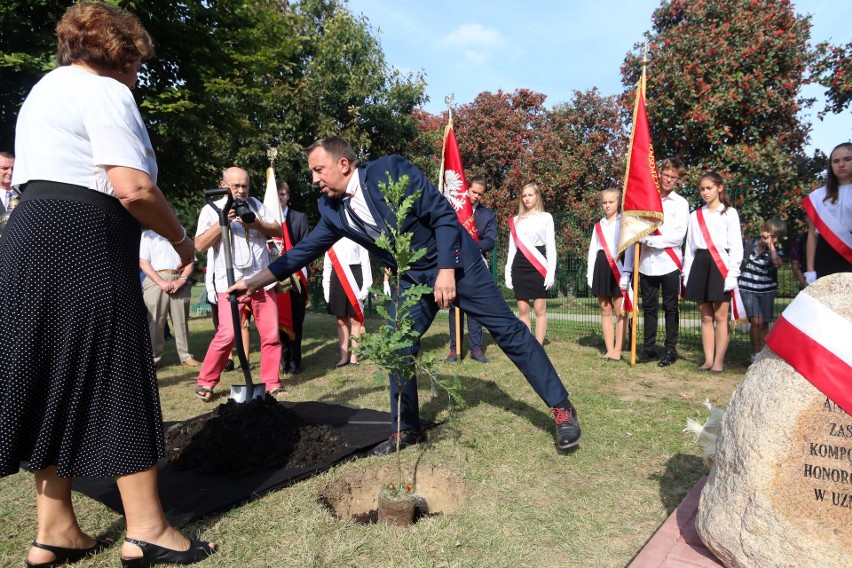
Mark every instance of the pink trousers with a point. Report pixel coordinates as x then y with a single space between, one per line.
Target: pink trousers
265 313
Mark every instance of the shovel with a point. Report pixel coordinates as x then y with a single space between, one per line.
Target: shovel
249 391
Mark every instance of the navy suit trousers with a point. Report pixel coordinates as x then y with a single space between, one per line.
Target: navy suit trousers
479 297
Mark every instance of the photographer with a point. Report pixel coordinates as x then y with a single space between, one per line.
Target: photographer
250 225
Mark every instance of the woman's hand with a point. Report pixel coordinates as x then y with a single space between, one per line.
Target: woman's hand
186 251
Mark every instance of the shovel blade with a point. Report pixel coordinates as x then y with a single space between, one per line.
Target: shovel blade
240 393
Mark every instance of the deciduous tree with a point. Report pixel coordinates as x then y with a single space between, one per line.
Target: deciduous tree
724 84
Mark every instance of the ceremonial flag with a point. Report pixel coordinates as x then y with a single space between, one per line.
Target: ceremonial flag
641 207
271 202
452 182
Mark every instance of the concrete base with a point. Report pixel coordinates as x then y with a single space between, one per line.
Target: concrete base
676 544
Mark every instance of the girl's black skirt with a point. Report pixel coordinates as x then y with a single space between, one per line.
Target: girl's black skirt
829 261
705 281
528 283
77 382
603 280
338 303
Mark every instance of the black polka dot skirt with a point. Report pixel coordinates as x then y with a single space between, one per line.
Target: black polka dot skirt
78 388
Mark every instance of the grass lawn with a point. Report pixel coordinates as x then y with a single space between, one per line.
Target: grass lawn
525 503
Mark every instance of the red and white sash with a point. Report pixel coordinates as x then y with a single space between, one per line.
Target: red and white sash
626 294
737 308
814 340
676 259
531 253
349 284
830 227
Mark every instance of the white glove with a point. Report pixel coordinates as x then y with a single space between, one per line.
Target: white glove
548 281
325 294
386 288
509 282
730 283
810 277
362 294
624 281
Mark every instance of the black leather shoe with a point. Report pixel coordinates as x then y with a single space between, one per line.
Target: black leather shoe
479 356
647 356
406 438
451 358
229 366
295 369
69 555
567 426
154 554
668 359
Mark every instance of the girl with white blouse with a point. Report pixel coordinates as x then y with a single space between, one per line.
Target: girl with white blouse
600 276
831 207
531 273
704 280
357 259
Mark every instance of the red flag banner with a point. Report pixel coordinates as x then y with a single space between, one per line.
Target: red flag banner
453 184
641 207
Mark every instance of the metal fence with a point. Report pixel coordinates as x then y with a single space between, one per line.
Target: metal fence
573 312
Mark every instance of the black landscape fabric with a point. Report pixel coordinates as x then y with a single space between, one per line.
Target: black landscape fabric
189 495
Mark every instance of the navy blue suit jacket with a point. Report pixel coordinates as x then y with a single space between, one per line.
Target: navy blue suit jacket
486 228
432 221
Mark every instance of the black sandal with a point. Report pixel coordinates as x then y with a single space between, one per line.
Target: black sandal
69 555
155 554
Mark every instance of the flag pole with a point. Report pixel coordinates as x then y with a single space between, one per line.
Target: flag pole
449 101
634 328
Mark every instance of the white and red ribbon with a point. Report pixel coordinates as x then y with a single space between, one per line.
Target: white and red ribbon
814 340
531 253
349 284
830 227
676 259
737 308
626 294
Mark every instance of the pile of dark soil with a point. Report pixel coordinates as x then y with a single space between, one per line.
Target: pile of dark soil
242 438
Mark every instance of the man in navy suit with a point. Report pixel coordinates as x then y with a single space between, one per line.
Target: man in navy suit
297 229
353 206
486 229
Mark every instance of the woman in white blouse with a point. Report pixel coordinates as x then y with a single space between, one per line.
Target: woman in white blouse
531 273
710 269
357 260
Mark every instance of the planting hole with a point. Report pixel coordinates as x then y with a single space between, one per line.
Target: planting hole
355 495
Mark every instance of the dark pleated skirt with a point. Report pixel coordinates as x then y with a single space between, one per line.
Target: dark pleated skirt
705 281
603 280
338 303
527 282
829 261
77 383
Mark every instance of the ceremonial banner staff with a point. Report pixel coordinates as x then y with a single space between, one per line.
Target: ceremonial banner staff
642 208
453 185
278 246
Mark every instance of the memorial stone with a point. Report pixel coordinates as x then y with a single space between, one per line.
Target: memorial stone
780 493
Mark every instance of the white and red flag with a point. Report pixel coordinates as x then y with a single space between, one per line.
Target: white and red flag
453 183
814 339
641 206
281 245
